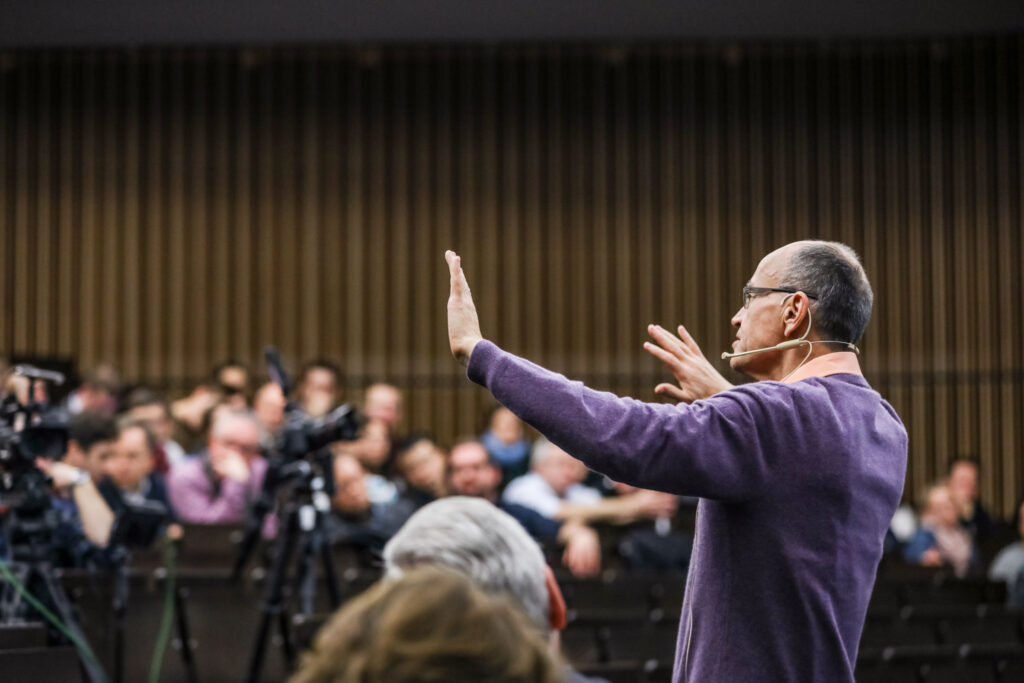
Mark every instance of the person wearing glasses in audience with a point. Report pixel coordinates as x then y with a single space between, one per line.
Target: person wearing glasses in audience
217 486
798 472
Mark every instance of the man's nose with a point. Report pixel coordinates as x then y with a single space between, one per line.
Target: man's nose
737 318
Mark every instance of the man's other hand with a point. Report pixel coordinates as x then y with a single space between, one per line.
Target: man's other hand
463 323
582 554
62 474
696 376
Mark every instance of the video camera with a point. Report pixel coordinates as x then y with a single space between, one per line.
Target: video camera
29 431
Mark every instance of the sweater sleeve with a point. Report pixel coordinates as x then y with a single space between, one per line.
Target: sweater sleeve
712 448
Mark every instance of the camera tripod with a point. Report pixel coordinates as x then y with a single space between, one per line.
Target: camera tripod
301 526
32 549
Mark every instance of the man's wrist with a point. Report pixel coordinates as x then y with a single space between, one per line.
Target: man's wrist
80 477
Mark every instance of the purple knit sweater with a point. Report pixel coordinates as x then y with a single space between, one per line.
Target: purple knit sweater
798 483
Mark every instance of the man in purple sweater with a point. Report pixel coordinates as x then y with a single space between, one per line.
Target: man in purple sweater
799 473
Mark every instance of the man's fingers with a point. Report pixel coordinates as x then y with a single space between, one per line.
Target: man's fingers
671 391
666 339
664 356
689 340
454 263
459 283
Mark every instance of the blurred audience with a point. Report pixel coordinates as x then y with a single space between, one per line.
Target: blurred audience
505 440
146 405
232 381
420 465
218 485
268 404
941 539
356 520
318 388
1008 565
130 475
432 625
91 440
373 447
964 490
383 404
97 392
554 490
473 472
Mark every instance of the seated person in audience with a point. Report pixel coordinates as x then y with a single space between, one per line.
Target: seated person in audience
268 404
420 466
217 486
384 404
963 487
554 490
228 384
97 392
473 472
373 447
373 451
653 545
1008 565
431 625
505 440
150 407
356 520
941 540
231 380
318 388
76 495
129 469
91 438
476 539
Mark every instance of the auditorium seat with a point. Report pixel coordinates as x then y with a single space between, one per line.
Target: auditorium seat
624 643
22 636
305 628
986 630
614 672
580 645
898 632
41 664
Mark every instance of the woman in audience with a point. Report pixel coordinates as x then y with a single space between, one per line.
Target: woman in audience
505 441
1009 563
431 626
941 540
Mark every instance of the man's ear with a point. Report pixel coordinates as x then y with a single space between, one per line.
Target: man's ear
796 310
556 603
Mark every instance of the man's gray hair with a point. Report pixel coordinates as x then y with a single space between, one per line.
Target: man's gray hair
833 272
476 539
226 415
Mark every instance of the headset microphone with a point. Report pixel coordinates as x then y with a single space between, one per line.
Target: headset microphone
793 343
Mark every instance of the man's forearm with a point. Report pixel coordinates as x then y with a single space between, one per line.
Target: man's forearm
97 517
610 510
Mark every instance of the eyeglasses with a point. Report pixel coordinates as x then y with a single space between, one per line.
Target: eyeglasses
243 448
750 292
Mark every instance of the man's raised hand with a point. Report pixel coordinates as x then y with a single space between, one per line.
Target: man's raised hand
463 323
696 376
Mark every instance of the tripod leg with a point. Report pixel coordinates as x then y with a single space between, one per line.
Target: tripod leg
272 604
181 619
63 606
330 572
120 607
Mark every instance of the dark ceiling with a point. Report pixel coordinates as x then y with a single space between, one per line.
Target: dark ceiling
31 23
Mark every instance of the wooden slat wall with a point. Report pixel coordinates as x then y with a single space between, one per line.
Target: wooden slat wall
163 209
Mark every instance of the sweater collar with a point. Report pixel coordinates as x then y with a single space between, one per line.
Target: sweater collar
838 363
